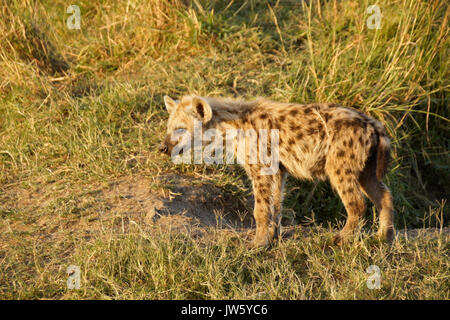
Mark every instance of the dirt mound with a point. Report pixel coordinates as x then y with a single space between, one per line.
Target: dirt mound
184 202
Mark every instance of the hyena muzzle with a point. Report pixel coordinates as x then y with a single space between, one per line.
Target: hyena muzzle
315 141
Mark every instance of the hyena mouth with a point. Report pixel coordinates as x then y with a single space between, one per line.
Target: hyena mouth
166 146
163 148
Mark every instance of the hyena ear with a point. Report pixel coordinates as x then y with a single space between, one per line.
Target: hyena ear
170 104
201 109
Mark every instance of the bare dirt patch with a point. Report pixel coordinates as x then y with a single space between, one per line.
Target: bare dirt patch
170 201
183 202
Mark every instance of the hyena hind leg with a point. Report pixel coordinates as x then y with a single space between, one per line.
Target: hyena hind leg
380 195
346 184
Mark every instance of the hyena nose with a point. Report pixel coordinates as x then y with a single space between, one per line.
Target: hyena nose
163 148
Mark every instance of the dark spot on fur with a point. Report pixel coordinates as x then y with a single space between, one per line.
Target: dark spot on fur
293 112
341 153
299 135
282 118
264 116
357 122
338 125
294 126
348 171
291 141
307 110
338 172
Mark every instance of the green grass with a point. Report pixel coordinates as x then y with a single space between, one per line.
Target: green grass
81 109
163 265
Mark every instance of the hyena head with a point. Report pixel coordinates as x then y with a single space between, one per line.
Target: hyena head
183 115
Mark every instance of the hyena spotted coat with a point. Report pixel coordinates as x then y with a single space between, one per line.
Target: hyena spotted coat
316 141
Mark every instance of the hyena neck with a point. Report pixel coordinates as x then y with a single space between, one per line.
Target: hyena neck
230 114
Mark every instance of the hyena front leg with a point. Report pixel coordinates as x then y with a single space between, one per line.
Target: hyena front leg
277 202
268 192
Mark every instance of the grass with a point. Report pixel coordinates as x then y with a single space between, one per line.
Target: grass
81 109
165 265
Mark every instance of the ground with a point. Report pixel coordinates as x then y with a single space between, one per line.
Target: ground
119 217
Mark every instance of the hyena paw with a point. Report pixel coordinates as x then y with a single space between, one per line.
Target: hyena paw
387 234
262 240
338 239
342 237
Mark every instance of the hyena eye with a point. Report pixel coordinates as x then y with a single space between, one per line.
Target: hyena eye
177 133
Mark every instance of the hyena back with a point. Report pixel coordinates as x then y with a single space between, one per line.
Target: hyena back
316 141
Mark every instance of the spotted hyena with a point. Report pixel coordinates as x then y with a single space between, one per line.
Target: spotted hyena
315 141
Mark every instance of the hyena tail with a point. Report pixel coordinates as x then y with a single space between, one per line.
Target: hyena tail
383 151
